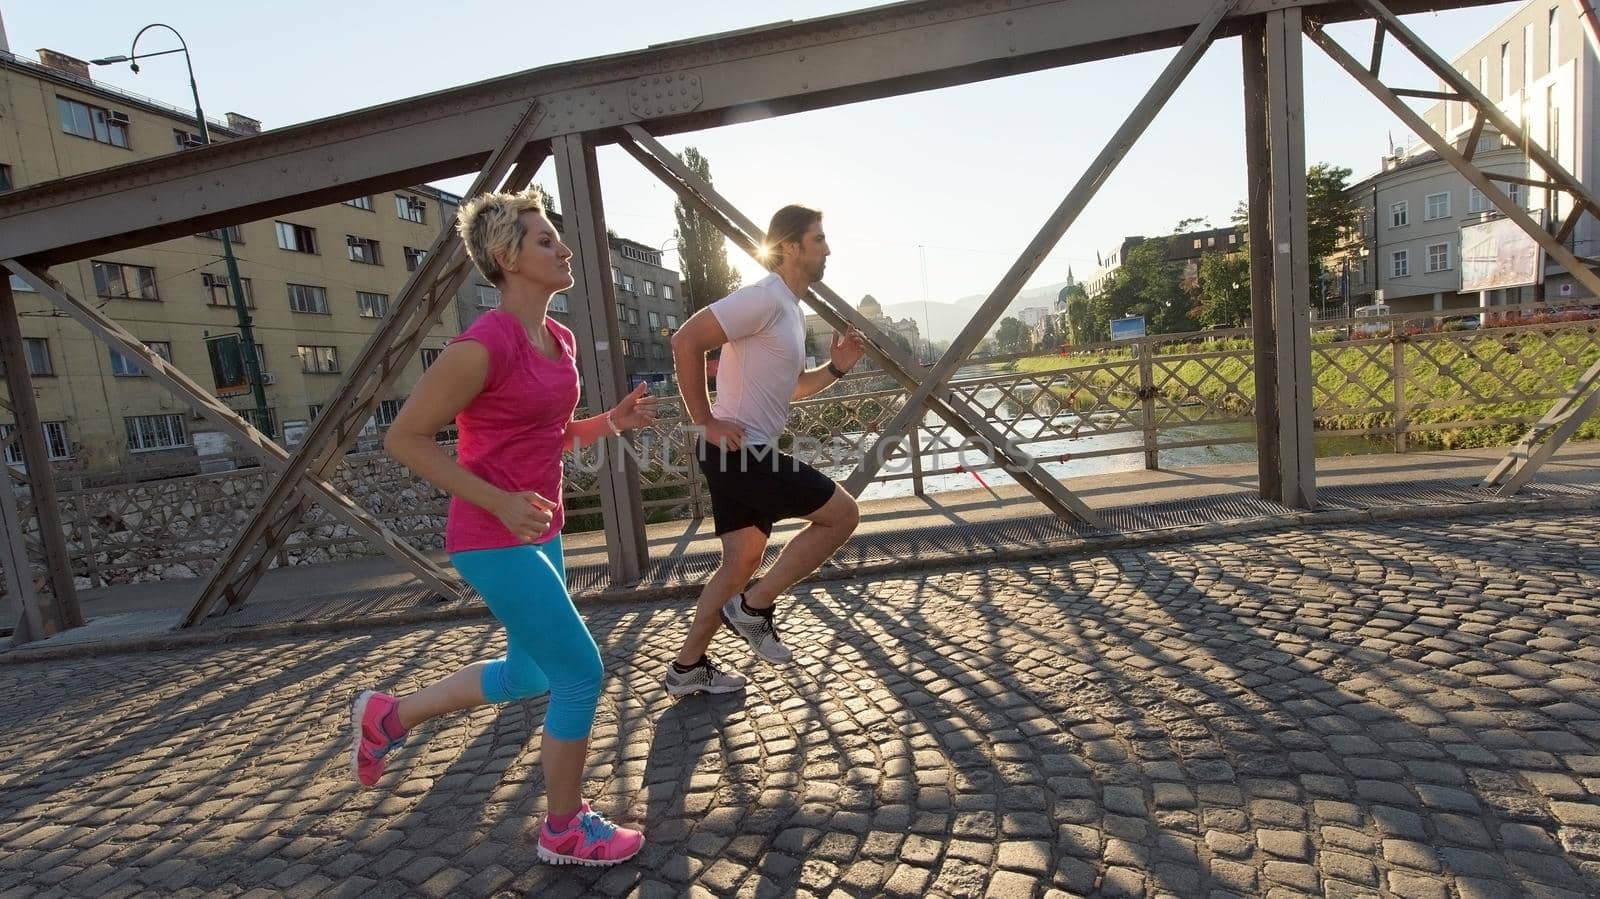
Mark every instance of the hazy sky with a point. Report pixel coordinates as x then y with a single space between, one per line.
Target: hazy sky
942 188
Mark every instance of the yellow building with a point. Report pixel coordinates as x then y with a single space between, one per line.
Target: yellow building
319 284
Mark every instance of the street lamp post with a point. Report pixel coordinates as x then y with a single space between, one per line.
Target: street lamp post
247 350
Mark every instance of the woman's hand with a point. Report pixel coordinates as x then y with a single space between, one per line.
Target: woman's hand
527 515
637 409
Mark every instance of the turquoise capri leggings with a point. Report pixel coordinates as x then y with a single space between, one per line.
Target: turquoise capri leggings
548 648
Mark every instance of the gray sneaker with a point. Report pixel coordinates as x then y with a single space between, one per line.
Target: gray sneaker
705 677
759 630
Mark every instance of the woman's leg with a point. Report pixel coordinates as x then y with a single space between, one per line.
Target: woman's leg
526 589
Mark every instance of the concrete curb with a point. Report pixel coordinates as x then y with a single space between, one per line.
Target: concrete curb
474 612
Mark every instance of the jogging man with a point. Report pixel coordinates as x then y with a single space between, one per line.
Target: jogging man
761 329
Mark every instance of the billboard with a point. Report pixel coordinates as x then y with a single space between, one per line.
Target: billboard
1498 254
1128 327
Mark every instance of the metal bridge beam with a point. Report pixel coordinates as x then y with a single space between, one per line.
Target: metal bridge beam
1049 234
899 364
683 86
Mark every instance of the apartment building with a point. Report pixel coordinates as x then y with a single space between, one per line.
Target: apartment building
318 283
1540 67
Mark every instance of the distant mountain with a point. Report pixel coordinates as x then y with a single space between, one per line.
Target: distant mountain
947 319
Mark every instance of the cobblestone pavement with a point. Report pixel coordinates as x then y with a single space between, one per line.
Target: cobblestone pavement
1403 710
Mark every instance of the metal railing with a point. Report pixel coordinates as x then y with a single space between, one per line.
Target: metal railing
1402 381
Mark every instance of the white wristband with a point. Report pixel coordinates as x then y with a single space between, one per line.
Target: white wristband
612 424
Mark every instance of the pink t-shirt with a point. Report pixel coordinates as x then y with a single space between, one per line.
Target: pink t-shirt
511 433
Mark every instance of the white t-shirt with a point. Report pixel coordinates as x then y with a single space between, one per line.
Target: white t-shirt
763 359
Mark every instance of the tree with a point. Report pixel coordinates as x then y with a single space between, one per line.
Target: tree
1080 317
1222 291
1330 214
702 249
1013 336
1048 338
1147 284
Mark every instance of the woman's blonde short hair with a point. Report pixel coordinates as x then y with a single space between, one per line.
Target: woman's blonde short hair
492 223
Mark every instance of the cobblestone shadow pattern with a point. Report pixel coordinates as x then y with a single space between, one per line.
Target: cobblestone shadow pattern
1403 710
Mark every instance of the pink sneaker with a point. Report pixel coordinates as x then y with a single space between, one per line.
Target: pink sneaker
589 840
370 740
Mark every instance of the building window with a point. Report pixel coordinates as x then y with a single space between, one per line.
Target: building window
616 276
655 321
56 446
234 234
363 250
1476 201
488 297
155 432
5 177
667 292
259 421
124 367
306 298
1527 57
372 305
1514 191
313 410
187 140
387 412
103 125
1233 239
1552 122
627 283
37 349
360 203
429 356
560 303
649 288
1438 206
1505 71
414 258
633 316
1211 241
1553 48
649 257
672 321
627 347
296 238
219 293
1400 264
1400 214
412 209
129 282
1438 257
318 359
622 313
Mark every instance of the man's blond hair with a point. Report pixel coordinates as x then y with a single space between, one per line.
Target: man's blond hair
492 223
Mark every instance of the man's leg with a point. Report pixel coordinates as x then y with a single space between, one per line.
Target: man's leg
741 556
830 527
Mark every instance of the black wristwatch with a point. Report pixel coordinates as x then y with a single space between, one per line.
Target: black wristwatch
835 371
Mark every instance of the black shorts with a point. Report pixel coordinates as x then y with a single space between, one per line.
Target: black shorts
756 486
